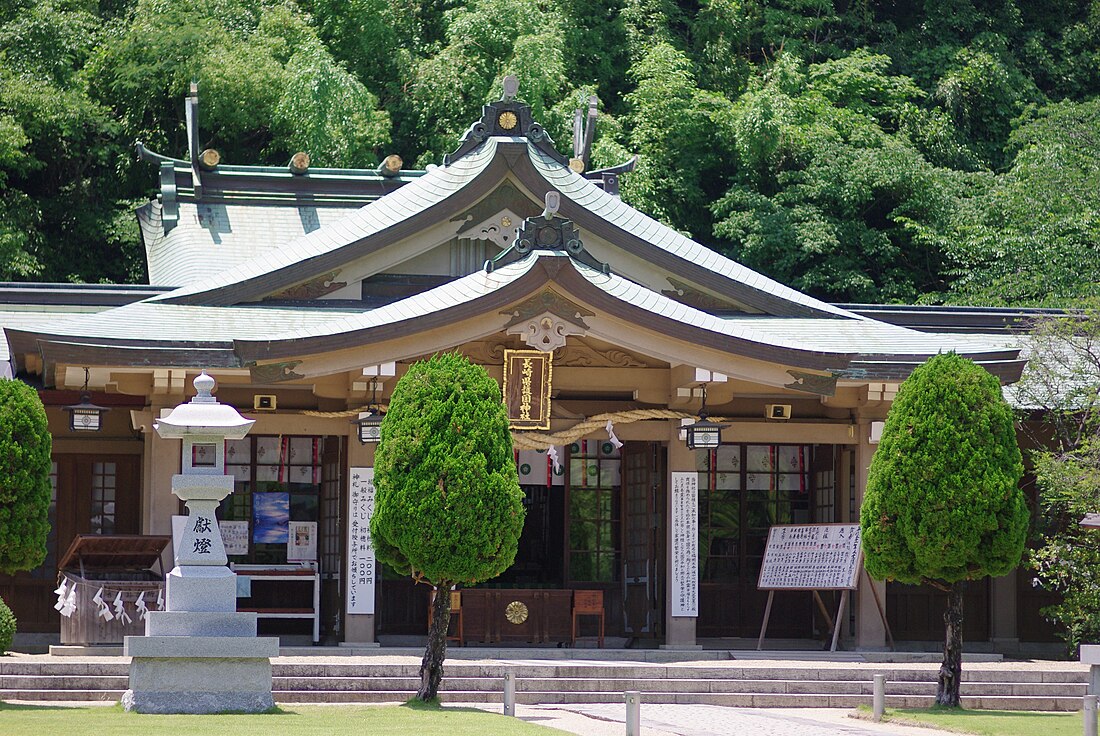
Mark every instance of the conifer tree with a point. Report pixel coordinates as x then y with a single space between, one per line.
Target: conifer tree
448 509
25 447
943 504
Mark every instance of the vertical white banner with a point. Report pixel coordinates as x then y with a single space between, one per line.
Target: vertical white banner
362 569
685 544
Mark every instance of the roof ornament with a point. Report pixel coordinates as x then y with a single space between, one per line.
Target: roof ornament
553 202
584 132
508 117
548 231
191 112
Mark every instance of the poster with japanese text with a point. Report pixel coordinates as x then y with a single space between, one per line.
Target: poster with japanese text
235 537
684 530
301 542
362 570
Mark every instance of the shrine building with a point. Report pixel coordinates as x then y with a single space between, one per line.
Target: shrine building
308 292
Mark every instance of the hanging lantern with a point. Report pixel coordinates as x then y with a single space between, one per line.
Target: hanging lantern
86 416
704 434
370 426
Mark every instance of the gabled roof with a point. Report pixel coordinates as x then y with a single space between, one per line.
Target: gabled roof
235 336
444 192
220 320
393 217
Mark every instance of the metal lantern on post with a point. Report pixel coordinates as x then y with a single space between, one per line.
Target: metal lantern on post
369 422
704 434
86 416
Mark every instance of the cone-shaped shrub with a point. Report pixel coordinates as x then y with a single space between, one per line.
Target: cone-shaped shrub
943 503
448 506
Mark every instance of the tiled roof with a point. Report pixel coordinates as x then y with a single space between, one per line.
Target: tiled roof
24 319
149 322
414 197
844 336
211 238
618 213
176 325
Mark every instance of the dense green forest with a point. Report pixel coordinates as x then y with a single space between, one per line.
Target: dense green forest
935 151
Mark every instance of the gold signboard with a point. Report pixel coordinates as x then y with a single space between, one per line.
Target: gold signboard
527 378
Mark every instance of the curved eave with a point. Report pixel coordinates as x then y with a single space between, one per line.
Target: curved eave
510 156
1006 365
482 295
559 271
57 352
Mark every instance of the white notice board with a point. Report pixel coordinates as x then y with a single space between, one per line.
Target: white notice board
361 566
684 530
811 557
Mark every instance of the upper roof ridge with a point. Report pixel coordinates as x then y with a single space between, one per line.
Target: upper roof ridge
508 117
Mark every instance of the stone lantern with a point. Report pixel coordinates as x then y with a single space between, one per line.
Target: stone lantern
200 580
200 655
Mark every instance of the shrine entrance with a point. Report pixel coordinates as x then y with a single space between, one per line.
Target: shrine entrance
744 489
643 538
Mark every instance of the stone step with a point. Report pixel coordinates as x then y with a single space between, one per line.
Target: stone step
639 671
572 684
48 695
746 700
62 682
564 684
742 700
92 669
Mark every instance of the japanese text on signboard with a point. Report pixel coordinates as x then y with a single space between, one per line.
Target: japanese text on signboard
685 544
811 557
362 569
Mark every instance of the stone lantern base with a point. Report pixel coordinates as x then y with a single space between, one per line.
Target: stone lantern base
200 662
203 659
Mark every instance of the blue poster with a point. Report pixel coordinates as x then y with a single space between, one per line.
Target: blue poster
271 517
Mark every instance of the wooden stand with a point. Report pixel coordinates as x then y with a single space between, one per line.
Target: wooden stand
834 625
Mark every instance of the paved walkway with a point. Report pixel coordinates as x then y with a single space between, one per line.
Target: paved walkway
710 720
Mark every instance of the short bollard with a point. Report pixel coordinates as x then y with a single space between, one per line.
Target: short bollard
879 703
633 713
1090 715
509 693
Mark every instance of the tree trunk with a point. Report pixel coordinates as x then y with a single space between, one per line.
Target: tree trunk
947 690
431 668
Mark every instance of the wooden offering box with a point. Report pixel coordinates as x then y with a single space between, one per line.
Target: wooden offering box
116 564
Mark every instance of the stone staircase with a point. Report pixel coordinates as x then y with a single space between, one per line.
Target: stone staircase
759 684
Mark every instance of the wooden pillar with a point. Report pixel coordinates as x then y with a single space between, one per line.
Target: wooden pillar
679 630
1003 626
359 628
870 630
160 461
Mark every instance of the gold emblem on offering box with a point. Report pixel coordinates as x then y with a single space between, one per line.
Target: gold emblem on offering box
527 379
516 612
507 120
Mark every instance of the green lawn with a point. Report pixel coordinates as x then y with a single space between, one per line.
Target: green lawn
403 720
991 722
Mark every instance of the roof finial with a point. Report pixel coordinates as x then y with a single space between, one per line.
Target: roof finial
204 385
553 202
511 87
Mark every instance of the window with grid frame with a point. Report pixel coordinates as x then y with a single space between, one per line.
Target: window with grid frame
743 490
276 479
104 487
594 511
